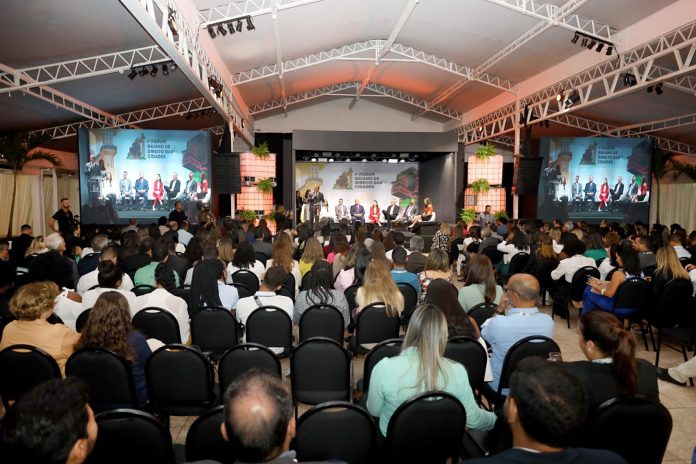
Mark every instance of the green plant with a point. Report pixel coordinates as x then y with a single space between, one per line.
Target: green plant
485 151
270 216
502 214
247 215
261 150
265 185
15 150
468 215
678 168
480 186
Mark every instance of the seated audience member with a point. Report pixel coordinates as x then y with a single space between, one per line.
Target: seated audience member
399 273
46 265
399 241
546 411
178 263
266 296
320 290
90 279
420 367
609 262
208 251
517 318
441 239
378 287
132 263
313 252
675 241
32 304
51 423
356 263
146 274
487 239
244 259
90 261
516 242
208 287
109 326
668 269
282 256
573 250
479 286
594 247
36 247
611 369
162 297
110 278
544 252
436 267
680 374
378 254
646 257
600 294
21 244
416 259
260 245
339 250
474 236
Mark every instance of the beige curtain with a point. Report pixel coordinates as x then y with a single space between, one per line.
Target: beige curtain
23 201
68 187
677 202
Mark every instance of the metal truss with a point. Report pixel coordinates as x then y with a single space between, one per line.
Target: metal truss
231 11
597 84
93 66
505 140
279 59
653 126
191 58
685 83
334 88
130 118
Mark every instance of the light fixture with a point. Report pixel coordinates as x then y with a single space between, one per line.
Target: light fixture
575 38
239 25
221 30
559 97
153 73
599 47
142 72
592 43
610 50
364 160
230 27
165 70
171 20
658 89
402 161
584 42
331 160
172 67
314 160
650 89
571 100
384 160
249 24
480 129
629 80
132 74
211 31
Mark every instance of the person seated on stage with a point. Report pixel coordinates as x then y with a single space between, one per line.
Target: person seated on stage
576 189
410 212
603 194
189 189
157 192
341 211
357 212
125 187
141 189
392 211
617 190
590 190
173 188
374 213
426 214
562 190
600 294
632 190
642 190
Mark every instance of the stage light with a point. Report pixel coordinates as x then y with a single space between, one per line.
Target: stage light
172 22
384 160
575 38
331 160
364 160
584 42
250 25
571 100
221 30
230 27
153 73
599 47
314 160
650 89
629 80
172 67
211 31
610 50
142 72
592 43
132 74
559 97
480 129
658 89
402 161
165 70
239 25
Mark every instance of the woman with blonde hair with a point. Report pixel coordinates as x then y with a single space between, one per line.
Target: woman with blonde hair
422 367
437 266
313 252
425 215
668 269
379 287
226 250
36 247
282 256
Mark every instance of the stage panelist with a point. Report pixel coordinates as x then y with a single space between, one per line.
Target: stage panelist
576 189
411 210
617 190
357 212
141 189
603 194
125 186
189 189
374 212
392 211
157 191
590 190
317 202
425 215
632 190
174 187
341 211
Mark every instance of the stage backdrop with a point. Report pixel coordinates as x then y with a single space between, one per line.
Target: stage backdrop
364 181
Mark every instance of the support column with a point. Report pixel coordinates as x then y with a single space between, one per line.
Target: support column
516 153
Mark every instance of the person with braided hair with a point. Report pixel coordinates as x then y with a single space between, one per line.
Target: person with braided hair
611 368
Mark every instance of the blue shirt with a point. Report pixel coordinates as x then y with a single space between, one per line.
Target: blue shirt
402 276
501 332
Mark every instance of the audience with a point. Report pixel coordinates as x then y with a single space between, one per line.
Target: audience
436 267
479 285
441 239
90 261
134 262
245 259
601 294
266 296
416 259
572 260
46 266
378 287
354 275
675 241
90 279
643 247
146 274
516 242
399 272
282 256
320 290
668 269
110 278
208 287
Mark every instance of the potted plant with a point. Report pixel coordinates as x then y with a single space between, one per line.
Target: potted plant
261 150
265 185
485 151
502 214
480 186
247 215
467 215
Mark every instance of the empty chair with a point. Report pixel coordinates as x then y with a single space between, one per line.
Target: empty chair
180 381
157 323
204 440
248 278
214 331
336 430
472 355
564 293
482 312
142 289
320 372
517 263
636 428
23 367
321 320
82 319
241 358
410 301
108 377
386 349
128 435
427 428
270 326
242 290
543 275
373 326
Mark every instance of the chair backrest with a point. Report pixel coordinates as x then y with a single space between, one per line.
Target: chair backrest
108 377
179 381
23 367
648 271
157 323
517 263
611 273
320 371
290 282
350 293
674 301
82 319
536 345
242 290
270 326
215 330
336 430
645 427
633 295
482 312
305 280
142 289
577 285
472 355
543 273
427 428
204 440
410 301
684 261
374 325
386 349
321 320
54 319
129 435
472 247
493 254
284 290
241 358
261 257
248 278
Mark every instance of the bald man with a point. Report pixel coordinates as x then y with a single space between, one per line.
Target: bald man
517 317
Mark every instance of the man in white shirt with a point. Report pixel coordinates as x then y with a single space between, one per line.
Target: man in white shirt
675 241
90 279
575 260
266 296
109 277
399 241
184 235
161 298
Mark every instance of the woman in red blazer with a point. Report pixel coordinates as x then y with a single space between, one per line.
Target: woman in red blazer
374 212
603 194
157 192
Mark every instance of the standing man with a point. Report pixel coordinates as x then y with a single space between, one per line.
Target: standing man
141 189
485 218
315 207
392 211
94 174
617 190
189 189
125 187
590 190
357 212
341 211
63 217
20 244
173 188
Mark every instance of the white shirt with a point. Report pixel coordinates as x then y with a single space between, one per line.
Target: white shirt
557 247
604 268
257 268
248 305
160 298
681 252
510 250
567 267
184 236
692 276
91 279
67 309
90 297
229 296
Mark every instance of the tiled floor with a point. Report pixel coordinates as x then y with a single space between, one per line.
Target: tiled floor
681 401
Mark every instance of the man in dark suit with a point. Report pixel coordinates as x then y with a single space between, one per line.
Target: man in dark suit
315 208
416 260
617 190
174 187
21 244
411 211
189 189
391 212
357 212
141 189
590 190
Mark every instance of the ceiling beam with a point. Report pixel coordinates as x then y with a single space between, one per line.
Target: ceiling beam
278 53
654 126
82 68
240 9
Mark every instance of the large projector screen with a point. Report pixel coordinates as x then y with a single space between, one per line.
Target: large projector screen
592 179
133 173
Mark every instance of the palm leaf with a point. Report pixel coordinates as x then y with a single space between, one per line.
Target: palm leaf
42 155
677 168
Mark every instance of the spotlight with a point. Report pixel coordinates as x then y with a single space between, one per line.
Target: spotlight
584 42
172 67
172 22
211 31
165 70
384 160
132 74
239 25
188 116
142 72
571 100
250 25
610 50
153 73
650 89
658 89
575 38
402 161
629 80
559 97
599 47
331 160
364 160
221 30
314 160
592 43
230 27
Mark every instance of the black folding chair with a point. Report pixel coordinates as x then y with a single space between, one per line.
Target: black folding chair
243 357
386 349
543 275
204 440
374 325
261 257
564 294
495 255
631 302
214 331
248 278
284 290
322 320
667 311
157 323
82 319
470 354
517 263
142 289
270 326
410 302
242 290
482 312
23 367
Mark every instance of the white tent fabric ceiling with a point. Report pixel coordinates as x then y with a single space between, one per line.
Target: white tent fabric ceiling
450 34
